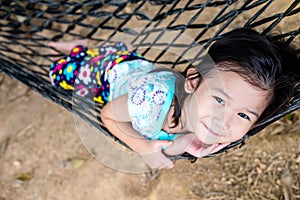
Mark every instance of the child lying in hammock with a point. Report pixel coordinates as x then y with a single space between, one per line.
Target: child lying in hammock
155 113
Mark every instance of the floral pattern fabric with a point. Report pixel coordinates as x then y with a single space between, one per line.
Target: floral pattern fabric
149 99
105 73
87 71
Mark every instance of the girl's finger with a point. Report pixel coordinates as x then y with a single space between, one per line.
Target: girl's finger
163 143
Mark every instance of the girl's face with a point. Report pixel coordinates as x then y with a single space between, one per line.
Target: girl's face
223 108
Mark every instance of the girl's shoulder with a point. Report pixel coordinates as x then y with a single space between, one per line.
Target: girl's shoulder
149 99
153 80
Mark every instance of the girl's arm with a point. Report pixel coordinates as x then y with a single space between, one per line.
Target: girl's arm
190 143
116 119
180 144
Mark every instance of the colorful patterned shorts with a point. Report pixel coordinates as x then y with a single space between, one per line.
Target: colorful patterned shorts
84 70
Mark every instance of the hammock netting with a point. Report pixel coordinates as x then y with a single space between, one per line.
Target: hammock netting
155 28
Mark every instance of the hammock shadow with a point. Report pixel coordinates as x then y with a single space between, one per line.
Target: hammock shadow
107 151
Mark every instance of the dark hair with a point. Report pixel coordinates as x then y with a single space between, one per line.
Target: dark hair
261 60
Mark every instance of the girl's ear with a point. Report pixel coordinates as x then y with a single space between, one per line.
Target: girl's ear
192 80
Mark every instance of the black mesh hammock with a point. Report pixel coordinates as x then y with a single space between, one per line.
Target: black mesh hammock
28 25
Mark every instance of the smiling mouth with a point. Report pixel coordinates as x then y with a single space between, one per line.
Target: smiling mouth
211 131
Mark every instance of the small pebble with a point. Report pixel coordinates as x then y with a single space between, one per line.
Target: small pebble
17 163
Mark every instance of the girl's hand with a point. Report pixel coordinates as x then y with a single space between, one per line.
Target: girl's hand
115 117
199 149
151 152
180 144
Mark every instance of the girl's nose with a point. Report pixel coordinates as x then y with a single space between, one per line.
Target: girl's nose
226 125
227 121
223 119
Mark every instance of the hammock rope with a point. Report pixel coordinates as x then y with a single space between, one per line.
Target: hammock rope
27 26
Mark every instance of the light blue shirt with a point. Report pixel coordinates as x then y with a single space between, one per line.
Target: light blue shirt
150 95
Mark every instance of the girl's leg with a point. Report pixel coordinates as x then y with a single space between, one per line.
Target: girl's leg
65 47
130 47
64 70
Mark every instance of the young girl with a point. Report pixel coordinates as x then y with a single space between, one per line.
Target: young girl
155 113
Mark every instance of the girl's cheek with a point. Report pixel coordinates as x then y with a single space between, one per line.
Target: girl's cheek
242 133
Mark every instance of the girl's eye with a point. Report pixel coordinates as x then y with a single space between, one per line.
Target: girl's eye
220 101
244 116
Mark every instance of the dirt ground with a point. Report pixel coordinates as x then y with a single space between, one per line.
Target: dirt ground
42 158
